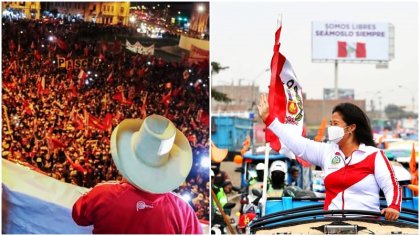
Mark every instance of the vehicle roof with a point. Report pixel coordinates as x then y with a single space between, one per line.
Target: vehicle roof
261 156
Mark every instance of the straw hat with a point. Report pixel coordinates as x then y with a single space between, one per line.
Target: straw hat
217 154
152 153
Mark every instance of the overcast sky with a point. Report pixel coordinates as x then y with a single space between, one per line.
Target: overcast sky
242 36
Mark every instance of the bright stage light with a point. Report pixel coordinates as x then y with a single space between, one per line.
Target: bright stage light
205 162
186 197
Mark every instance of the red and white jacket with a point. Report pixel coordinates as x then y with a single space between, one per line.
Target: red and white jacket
351 183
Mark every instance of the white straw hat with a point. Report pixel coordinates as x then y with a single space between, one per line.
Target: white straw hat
152 153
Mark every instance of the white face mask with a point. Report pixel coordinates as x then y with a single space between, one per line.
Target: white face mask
335 133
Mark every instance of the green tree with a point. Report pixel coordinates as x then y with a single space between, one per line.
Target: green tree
218 96
216 67
394 112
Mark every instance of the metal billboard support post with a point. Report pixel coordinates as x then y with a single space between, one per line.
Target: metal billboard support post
336 79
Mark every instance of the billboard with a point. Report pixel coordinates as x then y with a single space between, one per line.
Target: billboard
346 41
329 94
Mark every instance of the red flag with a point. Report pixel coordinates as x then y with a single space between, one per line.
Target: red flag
101 56
19 50
360 50
342 49
204 119
276 96
54 143
104 46
73 91
76 166
69 75
141 72
95 122
39 85
109 79
117 45
119 96
108 121
37 56
61 44
86 51
166 99
28 108
43 83
69 55
78 122
12 45
82 76
193 124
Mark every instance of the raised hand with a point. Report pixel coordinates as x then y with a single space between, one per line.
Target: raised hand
263 107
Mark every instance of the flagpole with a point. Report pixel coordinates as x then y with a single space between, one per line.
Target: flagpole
267 145
265 182
222 212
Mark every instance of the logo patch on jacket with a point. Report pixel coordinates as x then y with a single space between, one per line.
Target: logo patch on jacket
336 159
142 205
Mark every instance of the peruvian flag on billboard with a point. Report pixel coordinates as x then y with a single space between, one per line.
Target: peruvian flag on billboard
345 49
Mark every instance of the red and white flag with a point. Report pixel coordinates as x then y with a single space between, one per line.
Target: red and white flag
110 78
285 95
351 49
82 77
82 74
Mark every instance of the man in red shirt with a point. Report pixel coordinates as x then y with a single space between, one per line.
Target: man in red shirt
155 158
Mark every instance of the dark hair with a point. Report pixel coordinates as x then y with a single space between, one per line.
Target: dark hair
352 114
277 179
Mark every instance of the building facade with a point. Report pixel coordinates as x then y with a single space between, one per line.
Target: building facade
243 99
200 18
110 13
28 10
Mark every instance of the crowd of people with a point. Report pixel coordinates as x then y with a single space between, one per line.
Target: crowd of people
60 120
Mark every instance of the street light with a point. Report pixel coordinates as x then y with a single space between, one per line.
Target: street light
201 8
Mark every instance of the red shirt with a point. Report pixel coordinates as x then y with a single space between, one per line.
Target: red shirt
121 208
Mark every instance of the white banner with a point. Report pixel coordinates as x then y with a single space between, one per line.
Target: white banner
350 41
138 48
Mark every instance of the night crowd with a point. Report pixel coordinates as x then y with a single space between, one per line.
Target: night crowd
60 120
